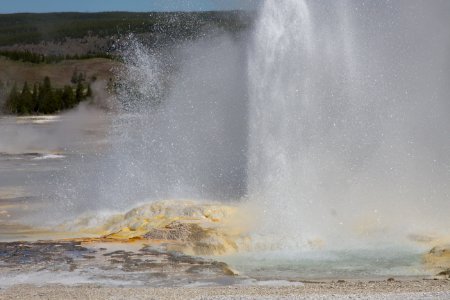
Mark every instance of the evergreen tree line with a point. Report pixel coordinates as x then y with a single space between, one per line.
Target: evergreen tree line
27 56
44 99
25 28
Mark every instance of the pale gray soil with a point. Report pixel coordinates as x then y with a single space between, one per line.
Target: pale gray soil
417 289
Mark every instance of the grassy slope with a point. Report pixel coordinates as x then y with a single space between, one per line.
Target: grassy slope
60 73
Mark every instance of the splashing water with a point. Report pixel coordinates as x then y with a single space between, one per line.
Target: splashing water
348 117
179 132
343 143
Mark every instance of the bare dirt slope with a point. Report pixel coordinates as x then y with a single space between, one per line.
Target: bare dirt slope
59 73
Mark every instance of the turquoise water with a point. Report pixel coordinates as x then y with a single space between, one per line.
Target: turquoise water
351 264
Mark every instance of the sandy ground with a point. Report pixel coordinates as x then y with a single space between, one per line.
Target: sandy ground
412 289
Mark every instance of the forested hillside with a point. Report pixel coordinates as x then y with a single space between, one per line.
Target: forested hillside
36 49
59 27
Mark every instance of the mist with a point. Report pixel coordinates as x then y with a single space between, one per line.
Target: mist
47 134
179 130
349 119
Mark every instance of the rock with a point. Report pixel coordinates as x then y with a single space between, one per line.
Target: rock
157 263
446 273
438 258
443 275
177 231
215 267
39 254
194 228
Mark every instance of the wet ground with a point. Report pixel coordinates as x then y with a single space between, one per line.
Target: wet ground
75 262
35 152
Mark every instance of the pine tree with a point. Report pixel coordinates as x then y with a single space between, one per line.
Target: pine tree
13 100
25 104
67 97
35 101
79 95
89 91
46 98
57 100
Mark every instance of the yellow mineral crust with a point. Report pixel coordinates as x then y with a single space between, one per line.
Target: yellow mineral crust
438 259
191 227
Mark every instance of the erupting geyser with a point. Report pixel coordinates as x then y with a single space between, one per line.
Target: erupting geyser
349 119
330 123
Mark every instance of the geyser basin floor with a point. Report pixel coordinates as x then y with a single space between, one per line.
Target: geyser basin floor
424 289
164 237
82 262
93 269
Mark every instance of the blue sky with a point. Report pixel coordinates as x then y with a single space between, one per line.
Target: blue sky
11 6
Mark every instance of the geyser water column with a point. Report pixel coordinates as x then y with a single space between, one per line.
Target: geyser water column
281 51
348 113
